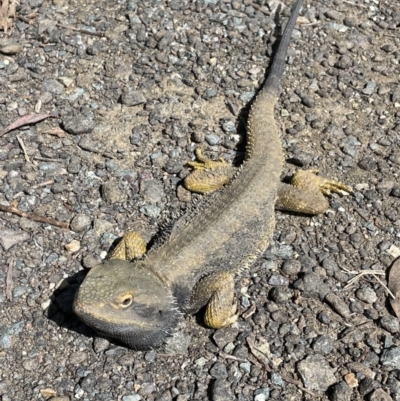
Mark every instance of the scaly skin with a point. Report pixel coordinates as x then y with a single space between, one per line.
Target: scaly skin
140 303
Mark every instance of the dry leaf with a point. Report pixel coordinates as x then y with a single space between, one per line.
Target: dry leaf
48 392
260 351
394 286
56 131
7 13
11 49
25 120
351 380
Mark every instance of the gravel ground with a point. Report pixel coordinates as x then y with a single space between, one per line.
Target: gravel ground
136 86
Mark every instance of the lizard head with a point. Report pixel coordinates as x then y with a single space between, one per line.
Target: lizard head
124 302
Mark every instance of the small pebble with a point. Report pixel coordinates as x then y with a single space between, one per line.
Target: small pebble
351 380
213 139
316 373
391 358
340 392
390 323
131 397
73 246
80 222
201 361
261 394
367 295
11 49
8 238
369 88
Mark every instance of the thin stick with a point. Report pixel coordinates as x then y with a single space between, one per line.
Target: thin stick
34 217
85 31
47 159
312 23
55 131
384 286
21 143
359 211
9 279
354 4
234 358
261 9
362 273
43 184
22 18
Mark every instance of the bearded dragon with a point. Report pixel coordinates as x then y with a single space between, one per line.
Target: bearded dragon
141 302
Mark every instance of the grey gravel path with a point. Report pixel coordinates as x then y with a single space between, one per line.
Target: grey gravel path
135 87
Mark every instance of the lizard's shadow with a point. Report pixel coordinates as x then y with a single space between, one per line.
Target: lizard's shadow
60 309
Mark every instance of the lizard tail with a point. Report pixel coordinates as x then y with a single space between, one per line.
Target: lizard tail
272 84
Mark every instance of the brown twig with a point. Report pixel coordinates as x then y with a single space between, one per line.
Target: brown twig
21 143
34 217
9 279
47 159
43 184
85 31
260 8
234 358
362 213
263 359
311 23
24 19
55 131
354 4
371 272
362 327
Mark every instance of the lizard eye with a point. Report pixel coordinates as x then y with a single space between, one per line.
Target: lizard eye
126 301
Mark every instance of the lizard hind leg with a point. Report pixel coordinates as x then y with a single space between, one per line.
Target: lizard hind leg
131 246
207 175
309 180
216 291
306 191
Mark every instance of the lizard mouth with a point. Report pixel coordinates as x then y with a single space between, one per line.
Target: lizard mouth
136 335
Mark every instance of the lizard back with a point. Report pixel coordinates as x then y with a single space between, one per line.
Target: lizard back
231 228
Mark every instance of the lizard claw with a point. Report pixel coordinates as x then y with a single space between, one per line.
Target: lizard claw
309 178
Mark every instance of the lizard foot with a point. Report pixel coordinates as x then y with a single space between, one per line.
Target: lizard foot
307 179
131 246
306 193
216 291
208 175
214 319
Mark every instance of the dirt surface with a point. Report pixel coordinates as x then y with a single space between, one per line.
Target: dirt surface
136 86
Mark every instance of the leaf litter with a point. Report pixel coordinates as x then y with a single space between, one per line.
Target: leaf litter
7 13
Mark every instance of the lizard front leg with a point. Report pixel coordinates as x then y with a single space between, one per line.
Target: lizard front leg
208 175
216 291
305 194
131 246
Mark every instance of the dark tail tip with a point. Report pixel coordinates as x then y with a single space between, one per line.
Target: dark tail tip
272 84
